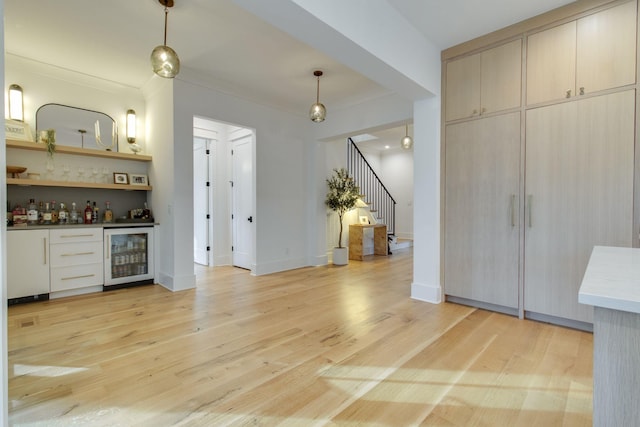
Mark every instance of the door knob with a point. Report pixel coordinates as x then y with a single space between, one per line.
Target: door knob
250 219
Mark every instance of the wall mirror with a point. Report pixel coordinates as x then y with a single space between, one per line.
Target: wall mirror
78 127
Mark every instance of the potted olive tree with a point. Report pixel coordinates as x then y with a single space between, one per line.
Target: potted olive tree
341 198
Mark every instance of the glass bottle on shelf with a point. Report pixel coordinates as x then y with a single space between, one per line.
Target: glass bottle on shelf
32 213
95 215
73 215
41 212
108 213
88 213
46 215
63 214
54 213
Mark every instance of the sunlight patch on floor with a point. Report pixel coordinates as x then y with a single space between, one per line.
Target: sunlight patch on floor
45 371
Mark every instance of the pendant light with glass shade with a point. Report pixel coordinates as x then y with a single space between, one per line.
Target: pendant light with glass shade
406 142
318 112
164 60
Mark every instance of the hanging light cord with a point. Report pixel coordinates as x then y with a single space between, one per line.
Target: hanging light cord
166 14
318 91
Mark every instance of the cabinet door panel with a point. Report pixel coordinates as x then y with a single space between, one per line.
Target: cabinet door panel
607 49
27 263
579 173
481 210
501 77
551 63
463 88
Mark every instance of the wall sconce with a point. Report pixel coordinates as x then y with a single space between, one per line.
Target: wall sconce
318 112
164 60
131 126
16 104
406 142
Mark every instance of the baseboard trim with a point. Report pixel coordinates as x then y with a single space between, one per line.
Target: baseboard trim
426 293
483 305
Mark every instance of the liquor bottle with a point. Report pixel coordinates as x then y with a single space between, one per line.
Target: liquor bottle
41 212
95 214
73 215
88 213
46 215
32 213
146 213
63 215
108 213
54 213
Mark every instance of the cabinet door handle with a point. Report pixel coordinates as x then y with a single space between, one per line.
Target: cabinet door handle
530 204
513 210
582 91
474 112
79 253
568 94
45 250
108 248
484 110
78 277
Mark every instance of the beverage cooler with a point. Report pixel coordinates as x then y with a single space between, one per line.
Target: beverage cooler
128 256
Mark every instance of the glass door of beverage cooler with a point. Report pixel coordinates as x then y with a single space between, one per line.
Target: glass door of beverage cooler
129 256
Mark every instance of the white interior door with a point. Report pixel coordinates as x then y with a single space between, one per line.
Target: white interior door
201 214
242 202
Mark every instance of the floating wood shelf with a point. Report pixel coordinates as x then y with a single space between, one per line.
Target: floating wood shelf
73 184
63 149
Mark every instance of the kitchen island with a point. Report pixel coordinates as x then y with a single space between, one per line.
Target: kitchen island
611 284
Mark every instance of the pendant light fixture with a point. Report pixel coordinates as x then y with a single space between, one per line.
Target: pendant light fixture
317 113
406 142
164 60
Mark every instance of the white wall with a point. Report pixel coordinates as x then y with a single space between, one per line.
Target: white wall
396 172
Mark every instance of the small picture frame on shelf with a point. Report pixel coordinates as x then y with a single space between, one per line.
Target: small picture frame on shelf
137 179
120 178
364 220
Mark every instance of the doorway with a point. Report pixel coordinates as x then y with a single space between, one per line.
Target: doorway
223 193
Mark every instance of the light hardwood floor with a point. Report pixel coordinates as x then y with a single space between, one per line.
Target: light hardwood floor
317 346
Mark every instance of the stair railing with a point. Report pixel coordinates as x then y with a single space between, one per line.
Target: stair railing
376 194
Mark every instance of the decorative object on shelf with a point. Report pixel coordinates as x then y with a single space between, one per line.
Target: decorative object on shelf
364 220
120 178
99 142
51 142
69 121
406 142
16 103
342 197
318 112
17 130
164 60
15 171
137 179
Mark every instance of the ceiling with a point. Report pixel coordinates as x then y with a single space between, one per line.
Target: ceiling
235 51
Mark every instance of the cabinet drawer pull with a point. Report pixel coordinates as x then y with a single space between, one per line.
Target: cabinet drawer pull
79 253
69 236
45 250
582 91
78 277
568 94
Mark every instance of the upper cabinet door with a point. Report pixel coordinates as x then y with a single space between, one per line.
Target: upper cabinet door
463 88
551 64
501 77
485 82
594 53
607 49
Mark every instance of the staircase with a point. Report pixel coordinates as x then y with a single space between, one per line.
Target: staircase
376 196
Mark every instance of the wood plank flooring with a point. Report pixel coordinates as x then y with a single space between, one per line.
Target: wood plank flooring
338 346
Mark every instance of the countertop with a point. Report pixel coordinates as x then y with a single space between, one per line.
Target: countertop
70 226
612 279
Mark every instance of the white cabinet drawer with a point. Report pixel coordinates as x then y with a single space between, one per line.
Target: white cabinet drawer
76 253
76 235
78 276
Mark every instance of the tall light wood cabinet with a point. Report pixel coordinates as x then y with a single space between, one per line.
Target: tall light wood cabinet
481 209
590 54
484 83
579 187
567 159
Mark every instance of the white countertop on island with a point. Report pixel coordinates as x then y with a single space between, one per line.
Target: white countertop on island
612 279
